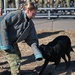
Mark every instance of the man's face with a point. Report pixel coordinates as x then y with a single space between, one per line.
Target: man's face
31 13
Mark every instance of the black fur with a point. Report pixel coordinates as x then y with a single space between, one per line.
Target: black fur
54 50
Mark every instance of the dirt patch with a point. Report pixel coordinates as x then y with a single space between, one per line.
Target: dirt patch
31 67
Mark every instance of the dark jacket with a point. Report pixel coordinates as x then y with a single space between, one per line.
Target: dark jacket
14 28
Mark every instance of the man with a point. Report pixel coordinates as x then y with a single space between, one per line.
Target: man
10 3
15 27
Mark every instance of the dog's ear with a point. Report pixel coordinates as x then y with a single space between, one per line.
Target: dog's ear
42 46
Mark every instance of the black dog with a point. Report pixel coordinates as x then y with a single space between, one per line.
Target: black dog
56 49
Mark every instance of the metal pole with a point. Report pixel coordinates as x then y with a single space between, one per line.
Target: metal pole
4 7
17 3
49 14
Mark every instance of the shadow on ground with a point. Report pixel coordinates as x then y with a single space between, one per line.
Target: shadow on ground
46 34
29 59
59 70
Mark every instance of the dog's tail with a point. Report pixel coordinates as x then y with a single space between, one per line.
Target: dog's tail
72 49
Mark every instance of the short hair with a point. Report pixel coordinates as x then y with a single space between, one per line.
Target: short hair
30 6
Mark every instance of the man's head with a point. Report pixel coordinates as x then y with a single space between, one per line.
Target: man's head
30 9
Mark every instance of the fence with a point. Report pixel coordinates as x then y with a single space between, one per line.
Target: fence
48 14
56 14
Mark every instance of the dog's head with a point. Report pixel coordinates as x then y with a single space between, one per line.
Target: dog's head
45 50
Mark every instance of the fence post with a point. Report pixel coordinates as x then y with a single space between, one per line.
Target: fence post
49 14
17 3
4 7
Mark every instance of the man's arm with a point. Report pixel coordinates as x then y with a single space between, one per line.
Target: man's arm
32 40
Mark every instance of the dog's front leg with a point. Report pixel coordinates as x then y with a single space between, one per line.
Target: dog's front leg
44 66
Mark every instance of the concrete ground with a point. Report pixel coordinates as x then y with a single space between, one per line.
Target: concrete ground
55 24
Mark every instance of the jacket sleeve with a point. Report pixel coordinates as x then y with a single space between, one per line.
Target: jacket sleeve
7 20
32 40
32 36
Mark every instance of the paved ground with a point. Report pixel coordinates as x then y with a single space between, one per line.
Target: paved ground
55 24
